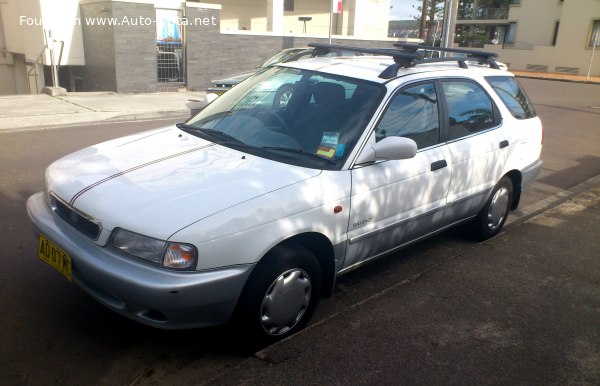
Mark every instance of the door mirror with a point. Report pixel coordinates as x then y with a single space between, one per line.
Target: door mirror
389 148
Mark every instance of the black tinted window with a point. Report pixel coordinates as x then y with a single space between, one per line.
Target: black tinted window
412 113
513 96
470 109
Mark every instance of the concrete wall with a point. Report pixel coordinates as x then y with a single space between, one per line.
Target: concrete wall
135 48
572 52
64 22
214 56
24 25
120 57
99 73
536 20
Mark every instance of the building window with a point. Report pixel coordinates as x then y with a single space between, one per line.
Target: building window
515 1
595 37
511 33
288 5
555 35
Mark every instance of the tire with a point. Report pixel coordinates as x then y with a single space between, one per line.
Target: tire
282 96
280 296
491 218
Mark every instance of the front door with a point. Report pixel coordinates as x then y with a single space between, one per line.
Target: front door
397 201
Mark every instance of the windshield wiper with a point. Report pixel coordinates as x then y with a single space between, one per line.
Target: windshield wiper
298 151
214 134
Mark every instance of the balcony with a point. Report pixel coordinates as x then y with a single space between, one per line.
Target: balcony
483 14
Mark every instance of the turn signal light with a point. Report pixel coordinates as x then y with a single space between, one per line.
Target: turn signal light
180 256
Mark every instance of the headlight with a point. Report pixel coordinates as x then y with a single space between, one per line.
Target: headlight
168 254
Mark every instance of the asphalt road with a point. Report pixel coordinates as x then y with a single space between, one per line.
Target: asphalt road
52 333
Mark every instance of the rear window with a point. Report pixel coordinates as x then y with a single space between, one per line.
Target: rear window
513 96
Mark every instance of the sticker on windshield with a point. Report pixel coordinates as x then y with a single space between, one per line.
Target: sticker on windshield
329 144
330 139
325 151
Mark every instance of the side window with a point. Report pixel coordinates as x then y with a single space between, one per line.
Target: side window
412 113
470 109
513 96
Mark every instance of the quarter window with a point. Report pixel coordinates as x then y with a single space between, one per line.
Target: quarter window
470 109
513 96
412 113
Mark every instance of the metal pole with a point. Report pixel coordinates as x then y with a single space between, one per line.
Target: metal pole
446 31
330 19
51 42
452 22
587 79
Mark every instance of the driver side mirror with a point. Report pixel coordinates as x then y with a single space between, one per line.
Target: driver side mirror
389 148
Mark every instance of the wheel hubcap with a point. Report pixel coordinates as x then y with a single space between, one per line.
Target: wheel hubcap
497 209
285 301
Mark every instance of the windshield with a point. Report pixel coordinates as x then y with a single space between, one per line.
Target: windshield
295 116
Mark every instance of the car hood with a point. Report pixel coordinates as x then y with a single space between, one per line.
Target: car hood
158 182
234 79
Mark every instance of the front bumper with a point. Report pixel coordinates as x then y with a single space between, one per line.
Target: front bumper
151 295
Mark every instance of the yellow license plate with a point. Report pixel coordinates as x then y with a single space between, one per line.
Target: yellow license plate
56 257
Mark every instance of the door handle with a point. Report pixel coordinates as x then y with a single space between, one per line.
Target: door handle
503 144
439 165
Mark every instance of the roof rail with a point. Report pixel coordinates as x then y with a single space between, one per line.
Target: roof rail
483 57
407 56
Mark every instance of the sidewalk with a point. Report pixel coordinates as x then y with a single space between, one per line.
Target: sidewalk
522 308
42 111
557 76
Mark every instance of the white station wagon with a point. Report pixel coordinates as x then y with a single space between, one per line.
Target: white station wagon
250 210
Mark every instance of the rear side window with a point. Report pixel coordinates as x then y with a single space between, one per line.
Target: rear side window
470 109
513 96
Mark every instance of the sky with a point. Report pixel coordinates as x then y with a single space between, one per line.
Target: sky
403 10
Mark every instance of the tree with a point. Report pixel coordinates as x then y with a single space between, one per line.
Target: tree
430 9
423 21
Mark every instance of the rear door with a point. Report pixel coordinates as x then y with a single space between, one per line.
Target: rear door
478 146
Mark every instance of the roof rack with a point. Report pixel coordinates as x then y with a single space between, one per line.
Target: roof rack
483 57
401 59
407 55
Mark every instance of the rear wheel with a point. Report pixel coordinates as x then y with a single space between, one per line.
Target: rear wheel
490 220
281 294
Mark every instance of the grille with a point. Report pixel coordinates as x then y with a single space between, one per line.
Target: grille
80 221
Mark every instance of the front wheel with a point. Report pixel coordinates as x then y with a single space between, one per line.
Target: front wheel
281 294
490 220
